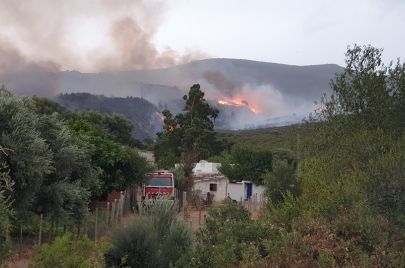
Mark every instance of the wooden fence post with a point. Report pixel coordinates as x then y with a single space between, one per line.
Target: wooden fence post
107 213
117 210
40 231
199 215
95 227
21 237
112 212
184 205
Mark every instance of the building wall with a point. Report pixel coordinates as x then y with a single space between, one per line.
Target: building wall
238 190
258 189
204 187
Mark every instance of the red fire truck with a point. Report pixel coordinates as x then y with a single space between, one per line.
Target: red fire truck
160 183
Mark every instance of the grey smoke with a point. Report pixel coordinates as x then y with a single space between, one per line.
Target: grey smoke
221 82
25 77
37 39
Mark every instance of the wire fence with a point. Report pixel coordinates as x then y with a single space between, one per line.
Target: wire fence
106 216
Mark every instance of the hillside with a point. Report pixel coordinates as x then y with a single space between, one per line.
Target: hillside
286 137
275 90
140 112
225 75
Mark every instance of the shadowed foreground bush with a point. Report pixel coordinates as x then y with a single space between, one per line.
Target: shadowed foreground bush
155 239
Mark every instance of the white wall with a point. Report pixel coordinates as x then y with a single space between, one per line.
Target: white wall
258 189
238 190
204 187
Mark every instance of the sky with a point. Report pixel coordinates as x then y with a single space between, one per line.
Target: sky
99 35
290 31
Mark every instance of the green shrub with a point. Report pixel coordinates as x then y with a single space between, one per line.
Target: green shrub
71 251
155 239
178 242
134 246
229 237
162 212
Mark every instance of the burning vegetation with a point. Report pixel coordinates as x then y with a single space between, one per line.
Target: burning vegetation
238 103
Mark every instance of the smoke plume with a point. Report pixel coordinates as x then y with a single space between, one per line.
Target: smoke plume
26 77
37 38
220 81
247 104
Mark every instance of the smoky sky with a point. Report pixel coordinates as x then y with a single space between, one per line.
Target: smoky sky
91 35
38 38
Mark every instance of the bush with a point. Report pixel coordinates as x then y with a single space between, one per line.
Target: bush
155 239
71 251
229 237
134 246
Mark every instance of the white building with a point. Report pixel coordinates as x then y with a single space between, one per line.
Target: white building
207 179
216 185
244 190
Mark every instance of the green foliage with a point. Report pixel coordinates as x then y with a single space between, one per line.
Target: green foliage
114 126
6 211
155 239
162 212
368 91
180 179
269 139
346 207
246 164
283 178
229 237
189 136
64 195
71 251
30 159
134 246
120 166
48 107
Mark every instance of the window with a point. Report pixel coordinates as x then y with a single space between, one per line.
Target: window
160 182
213 187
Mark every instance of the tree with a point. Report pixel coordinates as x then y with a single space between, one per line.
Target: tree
6 210
367 93
30 159
115 126
120 166
65 192
362 128
283 177
246 164
189 136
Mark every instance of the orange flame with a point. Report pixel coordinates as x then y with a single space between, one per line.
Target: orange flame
170 128
238 103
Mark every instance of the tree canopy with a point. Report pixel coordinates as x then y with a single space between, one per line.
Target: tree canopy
189 136
246 164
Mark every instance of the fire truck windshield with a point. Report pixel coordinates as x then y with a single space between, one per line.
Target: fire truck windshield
160 182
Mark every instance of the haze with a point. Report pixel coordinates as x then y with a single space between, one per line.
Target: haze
133 34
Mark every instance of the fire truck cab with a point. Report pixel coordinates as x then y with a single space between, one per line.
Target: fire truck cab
159 184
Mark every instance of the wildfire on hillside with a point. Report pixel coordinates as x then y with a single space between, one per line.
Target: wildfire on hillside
238 103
